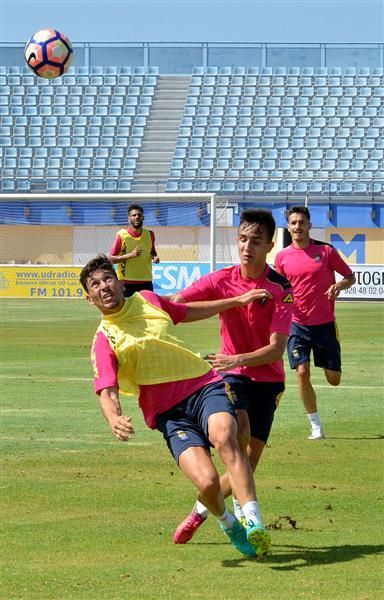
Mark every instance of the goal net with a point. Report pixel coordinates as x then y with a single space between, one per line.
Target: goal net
194 233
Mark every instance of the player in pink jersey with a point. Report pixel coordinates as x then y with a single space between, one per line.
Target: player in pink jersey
180 396
253 340
134 251
310 266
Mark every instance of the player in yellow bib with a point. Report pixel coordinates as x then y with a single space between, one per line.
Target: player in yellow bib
133 252
136 350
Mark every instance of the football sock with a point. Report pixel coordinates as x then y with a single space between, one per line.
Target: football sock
239 514
314 419
252 512
227 519
200 509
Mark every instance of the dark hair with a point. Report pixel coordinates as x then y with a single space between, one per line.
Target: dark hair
135 207
302 210
259 216
100 262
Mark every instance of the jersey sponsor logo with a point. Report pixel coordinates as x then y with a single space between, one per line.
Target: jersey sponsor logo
182 435
288 299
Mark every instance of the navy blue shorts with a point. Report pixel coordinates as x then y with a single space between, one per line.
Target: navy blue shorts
323 340
131 288
186 424
259 399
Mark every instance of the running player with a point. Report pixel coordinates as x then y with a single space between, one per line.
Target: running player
310 266
134 252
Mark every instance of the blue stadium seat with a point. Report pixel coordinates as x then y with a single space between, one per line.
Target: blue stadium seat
171 186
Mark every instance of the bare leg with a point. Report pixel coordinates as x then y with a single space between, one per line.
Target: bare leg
306 391
250 446
255 450
222 434
333 377
197 465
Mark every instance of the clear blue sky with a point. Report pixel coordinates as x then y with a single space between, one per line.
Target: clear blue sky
198 20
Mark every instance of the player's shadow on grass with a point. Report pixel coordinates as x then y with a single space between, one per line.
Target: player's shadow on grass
309 557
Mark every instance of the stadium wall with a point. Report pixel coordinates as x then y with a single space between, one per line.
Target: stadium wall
66 245
181 57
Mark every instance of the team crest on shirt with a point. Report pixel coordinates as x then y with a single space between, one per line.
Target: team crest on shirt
182 435
317 257
288 298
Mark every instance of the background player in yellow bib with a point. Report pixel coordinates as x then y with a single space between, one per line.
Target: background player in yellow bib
134 252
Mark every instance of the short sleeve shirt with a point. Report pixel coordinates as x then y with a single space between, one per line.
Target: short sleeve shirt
311 271
248 328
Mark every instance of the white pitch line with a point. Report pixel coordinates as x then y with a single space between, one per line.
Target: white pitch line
85 379
343 387
45 378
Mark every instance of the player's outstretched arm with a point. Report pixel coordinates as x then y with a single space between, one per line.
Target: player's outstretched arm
205 309
121 426
267 354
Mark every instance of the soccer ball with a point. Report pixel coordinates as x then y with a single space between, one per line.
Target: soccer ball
49 53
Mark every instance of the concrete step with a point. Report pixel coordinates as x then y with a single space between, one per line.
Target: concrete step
168 104
152 164
161 136
156 120
148 188
161 147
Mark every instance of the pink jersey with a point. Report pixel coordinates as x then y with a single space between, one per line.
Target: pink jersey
248 328
153 399
311 271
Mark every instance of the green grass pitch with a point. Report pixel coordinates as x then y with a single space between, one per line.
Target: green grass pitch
86 517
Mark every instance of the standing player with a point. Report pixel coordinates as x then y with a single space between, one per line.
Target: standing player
134 252
310 266
253 340
136 350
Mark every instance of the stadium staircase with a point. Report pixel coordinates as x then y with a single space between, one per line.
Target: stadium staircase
161 133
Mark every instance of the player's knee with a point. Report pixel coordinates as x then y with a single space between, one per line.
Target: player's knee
303 373
209 485
224 444
333 377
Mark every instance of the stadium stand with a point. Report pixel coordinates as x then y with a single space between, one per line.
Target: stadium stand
232 130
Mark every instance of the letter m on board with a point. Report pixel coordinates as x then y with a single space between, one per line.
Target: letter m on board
357 244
